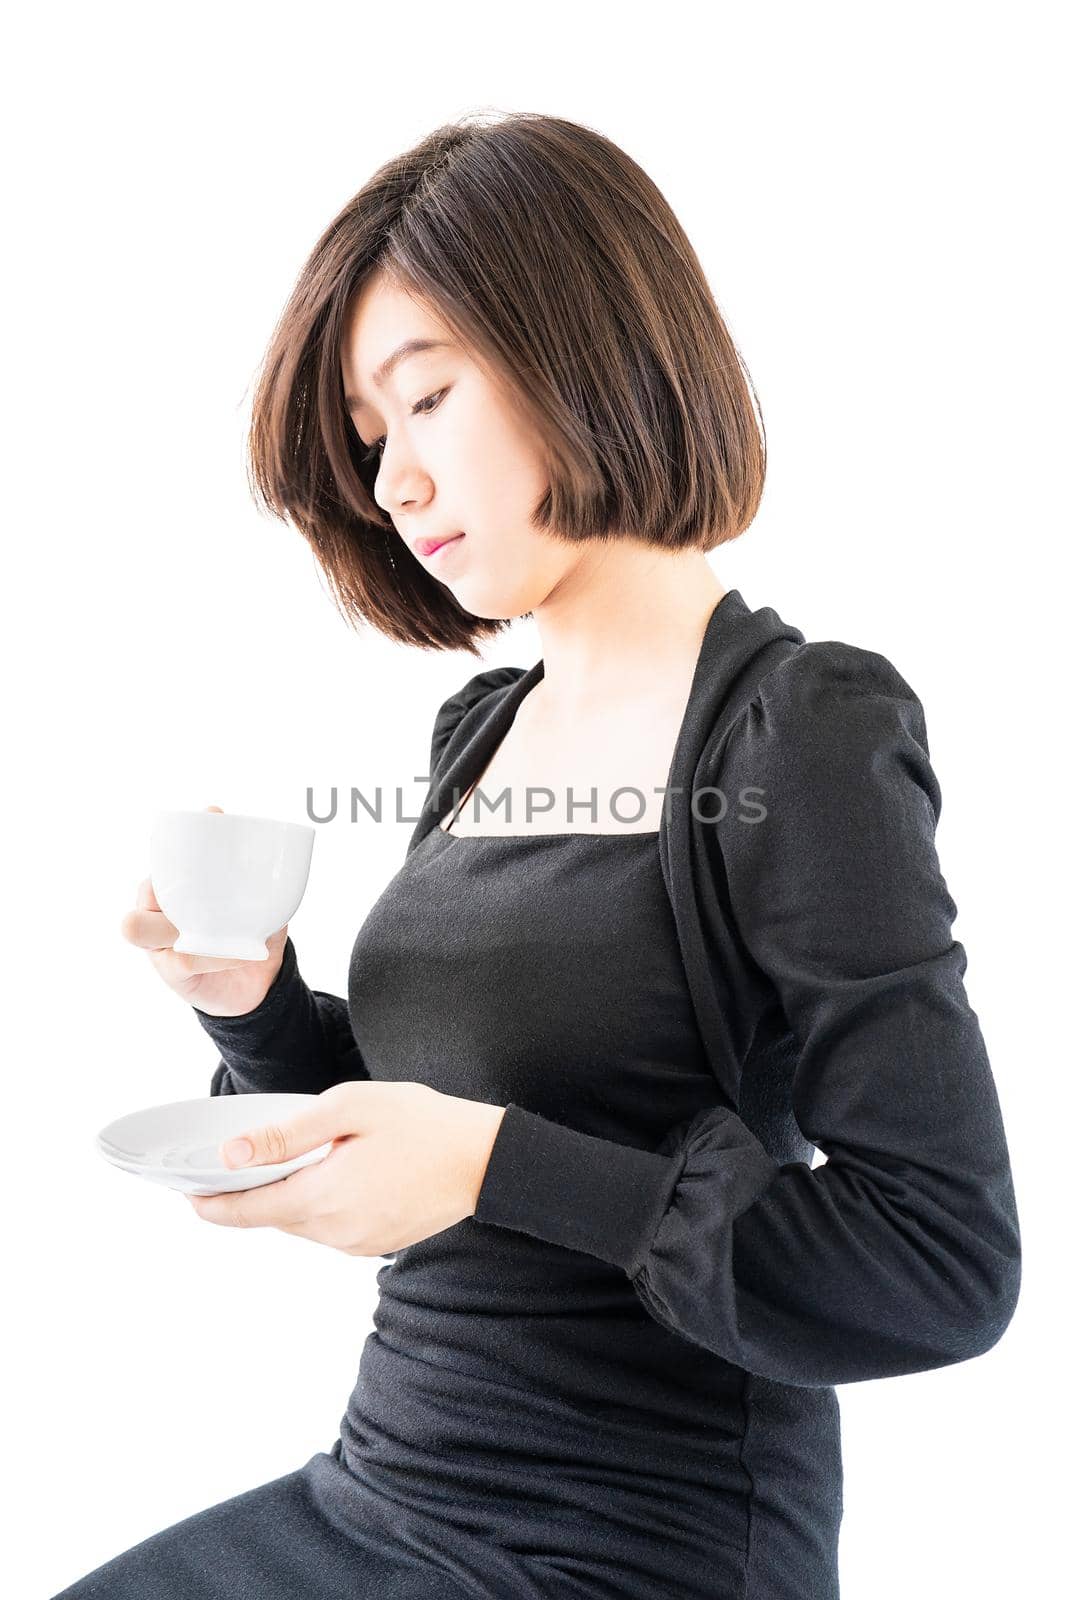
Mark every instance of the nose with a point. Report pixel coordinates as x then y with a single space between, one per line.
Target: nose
397 503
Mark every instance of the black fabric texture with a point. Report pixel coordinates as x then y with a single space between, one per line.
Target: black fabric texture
618 1377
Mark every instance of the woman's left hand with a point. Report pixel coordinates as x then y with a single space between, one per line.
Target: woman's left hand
407 1162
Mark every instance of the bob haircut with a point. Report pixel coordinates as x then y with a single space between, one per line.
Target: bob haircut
553 258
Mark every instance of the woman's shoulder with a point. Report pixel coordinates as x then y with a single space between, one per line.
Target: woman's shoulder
474 692
821 677
825 717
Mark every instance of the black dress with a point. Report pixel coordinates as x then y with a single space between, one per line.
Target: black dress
520 1387
520 1426
617 1377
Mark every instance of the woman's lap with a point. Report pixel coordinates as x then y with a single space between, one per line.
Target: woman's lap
272 1542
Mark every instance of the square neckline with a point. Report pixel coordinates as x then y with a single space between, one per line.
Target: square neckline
528 681
560 833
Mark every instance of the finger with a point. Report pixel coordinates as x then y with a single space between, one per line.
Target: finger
149 930
286 1203
146 896
147 925
333 1114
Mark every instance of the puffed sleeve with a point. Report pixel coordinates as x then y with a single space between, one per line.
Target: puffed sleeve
448 720
463 700
296 1041
901 1251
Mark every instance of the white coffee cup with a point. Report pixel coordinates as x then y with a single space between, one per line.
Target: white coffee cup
227 882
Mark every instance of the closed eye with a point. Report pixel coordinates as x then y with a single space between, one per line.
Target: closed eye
427 404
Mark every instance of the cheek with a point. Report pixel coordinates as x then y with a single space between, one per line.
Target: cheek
496 452
491 474
512 480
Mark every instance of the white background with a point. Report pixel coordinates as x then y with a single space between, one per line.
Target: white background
871 191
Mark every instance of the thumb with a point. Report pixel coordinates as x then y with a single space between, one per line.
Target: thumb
319 1124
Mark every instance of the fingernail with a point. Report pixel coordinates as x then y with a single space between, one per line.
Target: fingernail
238 1151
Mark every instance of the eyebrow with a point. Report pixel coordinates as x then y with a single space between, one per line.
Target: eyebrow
410 347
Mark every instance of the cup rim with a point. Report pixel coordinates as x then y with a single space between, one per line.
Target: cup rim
239 816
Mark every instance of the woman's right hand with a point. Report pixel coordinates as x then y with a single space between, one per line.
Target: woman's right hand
220 986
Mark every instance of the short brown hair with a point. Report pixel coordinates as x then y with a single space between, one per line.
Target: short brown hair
550 253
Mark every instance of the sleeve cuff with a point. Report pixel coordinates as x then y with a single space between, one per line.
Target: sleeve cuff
574 1189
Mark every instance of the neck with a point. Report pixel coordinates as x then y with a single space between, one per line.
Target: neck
624 620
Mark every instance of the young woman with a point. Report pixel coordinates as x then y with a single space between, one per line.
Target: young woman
672 918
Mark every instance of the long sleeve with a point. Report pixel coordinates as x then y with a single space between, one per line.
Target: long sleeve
901 1252
296 1041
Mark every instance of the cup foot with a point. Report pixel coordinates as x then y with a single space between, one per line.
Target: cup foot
191 944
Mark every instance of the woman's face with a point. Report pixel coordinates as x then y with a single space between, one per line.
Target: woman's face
454 457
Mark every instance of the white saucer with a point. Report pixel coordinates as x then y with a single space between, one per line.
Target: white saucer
179 1145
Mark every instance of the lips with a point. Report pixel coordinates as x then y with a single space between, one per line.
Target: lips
426 547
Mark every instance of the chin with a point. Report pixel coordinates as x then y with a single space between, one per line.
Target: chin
490 608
